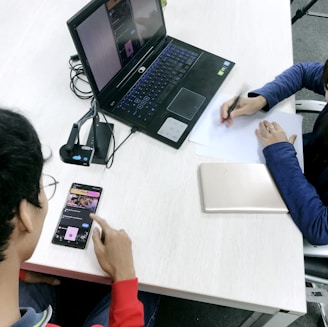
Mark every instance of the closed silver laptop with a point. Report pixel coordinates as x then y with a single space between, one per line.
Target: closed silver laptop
239 187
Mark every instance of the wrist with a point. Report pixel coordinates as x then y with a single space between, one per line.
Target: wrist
124 275
261 102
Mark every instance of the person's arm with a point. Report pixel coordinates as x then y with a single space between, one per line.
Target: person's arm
301 75
113 249
125 308
34 277
301 198
22 274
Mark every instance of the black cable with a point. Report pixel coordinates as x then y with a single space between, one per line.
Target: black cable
77 76
110 159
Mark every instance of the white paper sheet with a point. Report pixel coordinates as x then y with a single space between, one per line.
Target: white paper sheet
239 142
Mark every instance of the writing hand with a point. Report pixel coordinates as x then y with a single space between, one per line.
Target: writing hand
245 106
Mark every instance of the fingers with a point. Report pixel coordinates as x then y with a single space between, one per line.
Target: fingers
50 280
113 249
99 237
96 236
292 139
34 277
245 106
259 135
107 231
269 128
98 219
275 125
271 132
225 117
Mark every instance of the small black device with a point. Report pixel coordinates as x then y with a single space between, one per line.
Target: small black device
75 223
96 149
78 155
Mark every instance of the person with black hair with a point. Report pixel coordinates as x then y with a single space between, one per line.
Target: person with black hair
306 195
23 208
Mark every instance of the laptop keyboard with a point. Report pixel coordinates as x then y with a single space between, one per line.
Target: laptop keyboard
142 101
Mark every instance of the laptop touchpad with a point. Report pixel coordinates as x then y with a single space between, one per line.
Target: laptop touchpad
186 103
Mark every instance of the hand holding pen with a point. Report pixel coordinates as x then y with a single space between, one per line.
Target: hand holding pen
239 106
227 109
233 106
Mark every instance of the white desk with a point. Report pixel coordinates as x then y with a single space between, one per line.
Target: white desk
246 261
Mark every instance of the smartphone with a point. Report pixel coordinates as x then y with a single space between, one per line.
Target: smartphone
75 223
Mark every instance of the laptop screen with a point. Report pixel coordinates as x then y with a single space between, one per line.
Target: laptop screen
114 34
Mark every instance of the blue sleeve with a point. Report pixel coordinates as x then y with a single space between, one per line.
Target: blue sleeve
301 75
301 198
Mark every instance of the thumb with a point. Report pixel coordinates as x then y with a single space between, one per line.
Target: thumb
34 277
51 280
97 239
239 111
292 139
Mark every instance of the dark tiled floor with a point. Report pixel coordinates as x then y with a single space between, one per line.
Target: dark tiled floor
183 313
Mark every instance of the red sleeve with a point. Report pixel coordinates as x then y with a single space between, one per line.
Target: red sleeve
125 309
22 274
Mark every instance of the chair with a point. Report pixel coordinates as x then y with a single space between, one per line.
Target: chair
315 257
305 11
316 276
309 106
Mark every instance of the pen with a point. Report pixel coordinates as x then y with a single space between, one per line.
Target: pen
233 106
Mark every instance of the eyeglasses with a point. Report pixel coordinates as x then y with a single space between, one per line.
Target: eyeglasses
49 185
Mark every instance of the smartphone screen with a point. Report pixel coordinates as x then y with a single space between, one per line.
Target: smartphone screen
75 223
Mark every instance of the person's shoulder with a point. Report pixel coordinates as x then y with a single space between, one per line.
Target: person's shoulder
310 65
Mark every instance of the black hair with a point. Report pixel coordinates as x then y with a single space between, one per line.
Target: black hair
21 165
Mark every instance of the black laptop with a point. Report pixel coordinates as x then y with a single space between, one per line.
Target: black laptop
141 76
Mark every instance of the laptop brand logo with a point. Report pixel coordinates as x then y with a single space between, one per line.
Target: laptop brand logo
141 70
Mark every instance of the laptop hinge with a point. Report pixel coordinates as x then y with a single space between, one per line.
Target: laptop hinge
134 68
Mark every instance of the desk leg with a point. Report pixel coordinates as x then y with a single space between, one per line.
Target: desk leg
280 319
301 12
317 14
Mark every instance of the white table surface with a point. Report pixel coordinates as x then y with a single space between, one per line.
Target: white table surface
249 261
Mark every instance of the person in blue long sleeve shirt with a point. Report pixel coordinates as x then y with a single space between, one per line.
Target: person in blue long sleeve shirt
306 195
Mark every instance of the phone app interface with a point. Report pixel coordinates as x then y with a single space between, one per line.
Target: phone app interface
75 222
